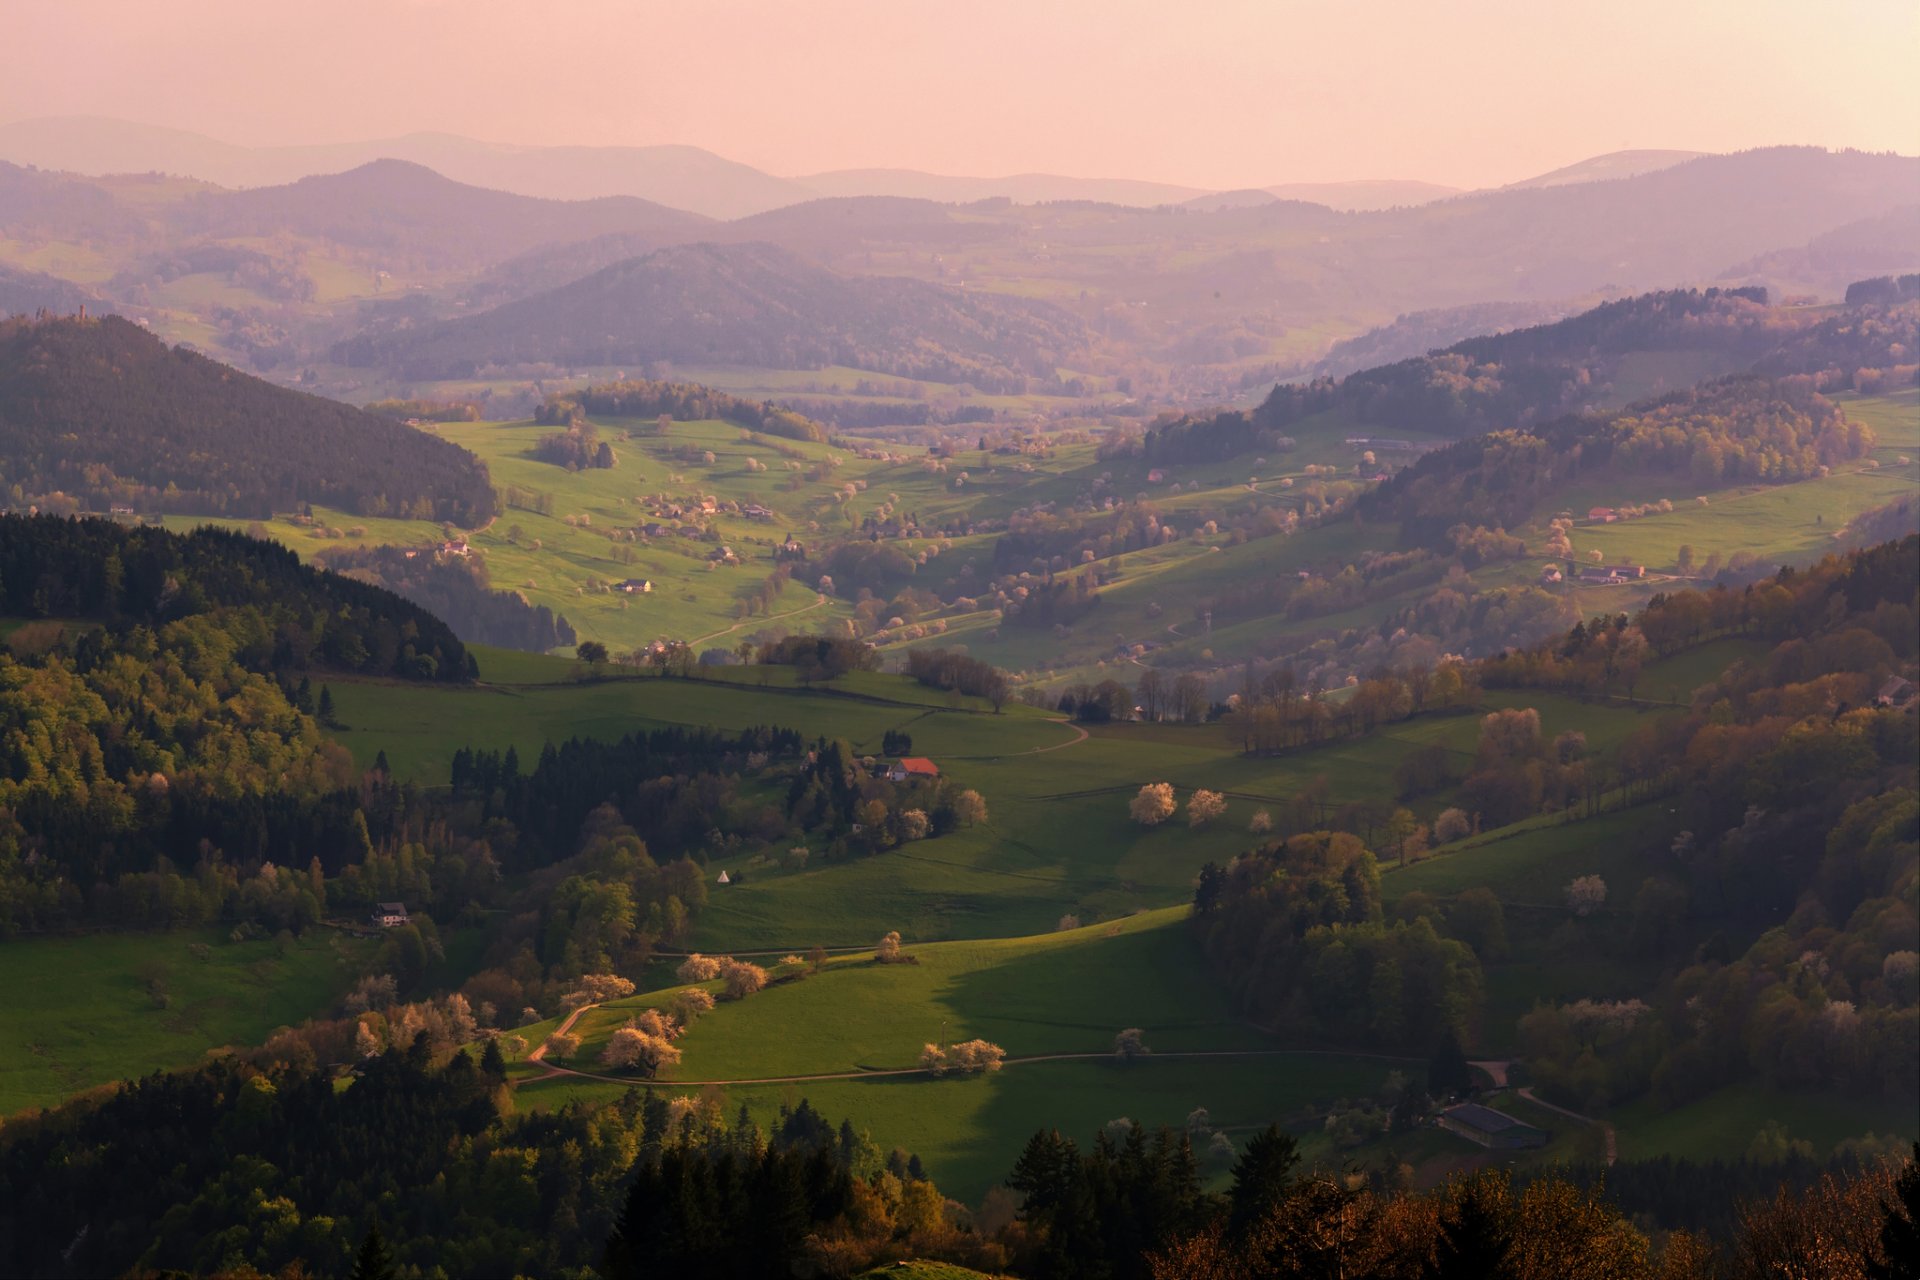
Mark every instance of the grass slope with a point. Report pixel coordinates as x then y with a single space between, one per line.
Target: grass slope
81 1011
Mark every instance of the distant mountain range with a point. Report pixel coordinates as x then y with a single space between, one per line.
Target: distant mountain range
680 177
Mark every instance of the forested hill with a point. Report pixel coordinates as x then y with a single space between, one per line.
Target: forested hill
1745 430
98 412
748 304
281 615
1587 361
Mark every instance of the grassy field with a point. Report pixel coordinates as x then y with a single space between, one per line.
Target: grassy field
82 1011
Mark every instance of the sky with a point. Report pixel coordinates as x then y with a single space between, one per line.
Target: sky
1208 93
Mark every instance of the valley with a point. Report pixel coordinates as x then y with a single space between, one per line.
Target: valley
603 711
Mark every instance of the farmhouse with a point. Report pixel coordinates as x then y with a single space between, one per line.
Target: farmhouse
454 547
1551 575
1490 1128
636 586
1605 515
389 915
912 767
1896 692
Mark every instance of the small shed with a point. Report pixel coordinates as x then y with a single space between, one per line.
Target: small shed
724 879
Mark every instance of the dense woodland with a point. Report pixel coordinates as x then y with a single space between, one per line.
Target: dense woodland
96 413
457 590
163 743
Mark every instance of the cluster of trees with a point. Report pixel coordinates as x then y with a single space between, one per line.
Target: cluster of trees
98 412
427 410
578 448
457 590
820 657
1884 291
862 811
951 669
684 401
674 783
1271 713
1297 931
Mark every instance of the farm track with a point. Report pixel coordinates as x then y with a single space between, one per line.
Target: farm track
553 1070
1606 1130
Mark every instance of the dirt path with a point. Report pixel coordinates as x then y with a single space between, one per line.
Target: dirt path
539 1053
1058 746
1606 1130
818 600
1496 1072
553 1070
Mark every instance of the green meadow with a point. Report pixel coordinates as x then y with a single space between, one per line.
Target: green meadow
82 1011
1059 993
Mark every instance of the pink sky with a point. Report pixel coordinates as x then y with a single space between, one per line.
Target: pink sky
1210 93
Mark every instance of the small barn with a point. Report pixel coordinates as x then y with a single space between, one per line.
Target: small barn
1491 1128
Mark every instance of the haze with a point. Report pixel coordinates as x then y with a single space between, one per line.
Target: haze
1232 93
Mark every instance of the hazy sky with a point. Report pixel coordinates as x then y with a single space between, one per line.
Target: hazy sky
1212 93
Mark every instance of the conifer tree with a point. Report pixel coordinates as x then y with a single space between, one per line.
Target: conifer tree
374 1261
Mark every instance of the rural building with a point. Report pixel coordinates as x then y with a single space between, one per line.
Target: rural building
709 505
1896 692
454 547
912 767
1155 476
1491 1128
1605 515
1551 575
754 511
636 586
389 915
724 879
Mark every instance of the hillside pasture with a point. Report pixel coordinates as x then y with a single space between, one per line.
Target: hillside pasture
81 1011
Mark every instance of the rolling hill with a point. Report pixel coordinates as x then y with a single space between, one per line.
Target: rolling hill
746 305
404 209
